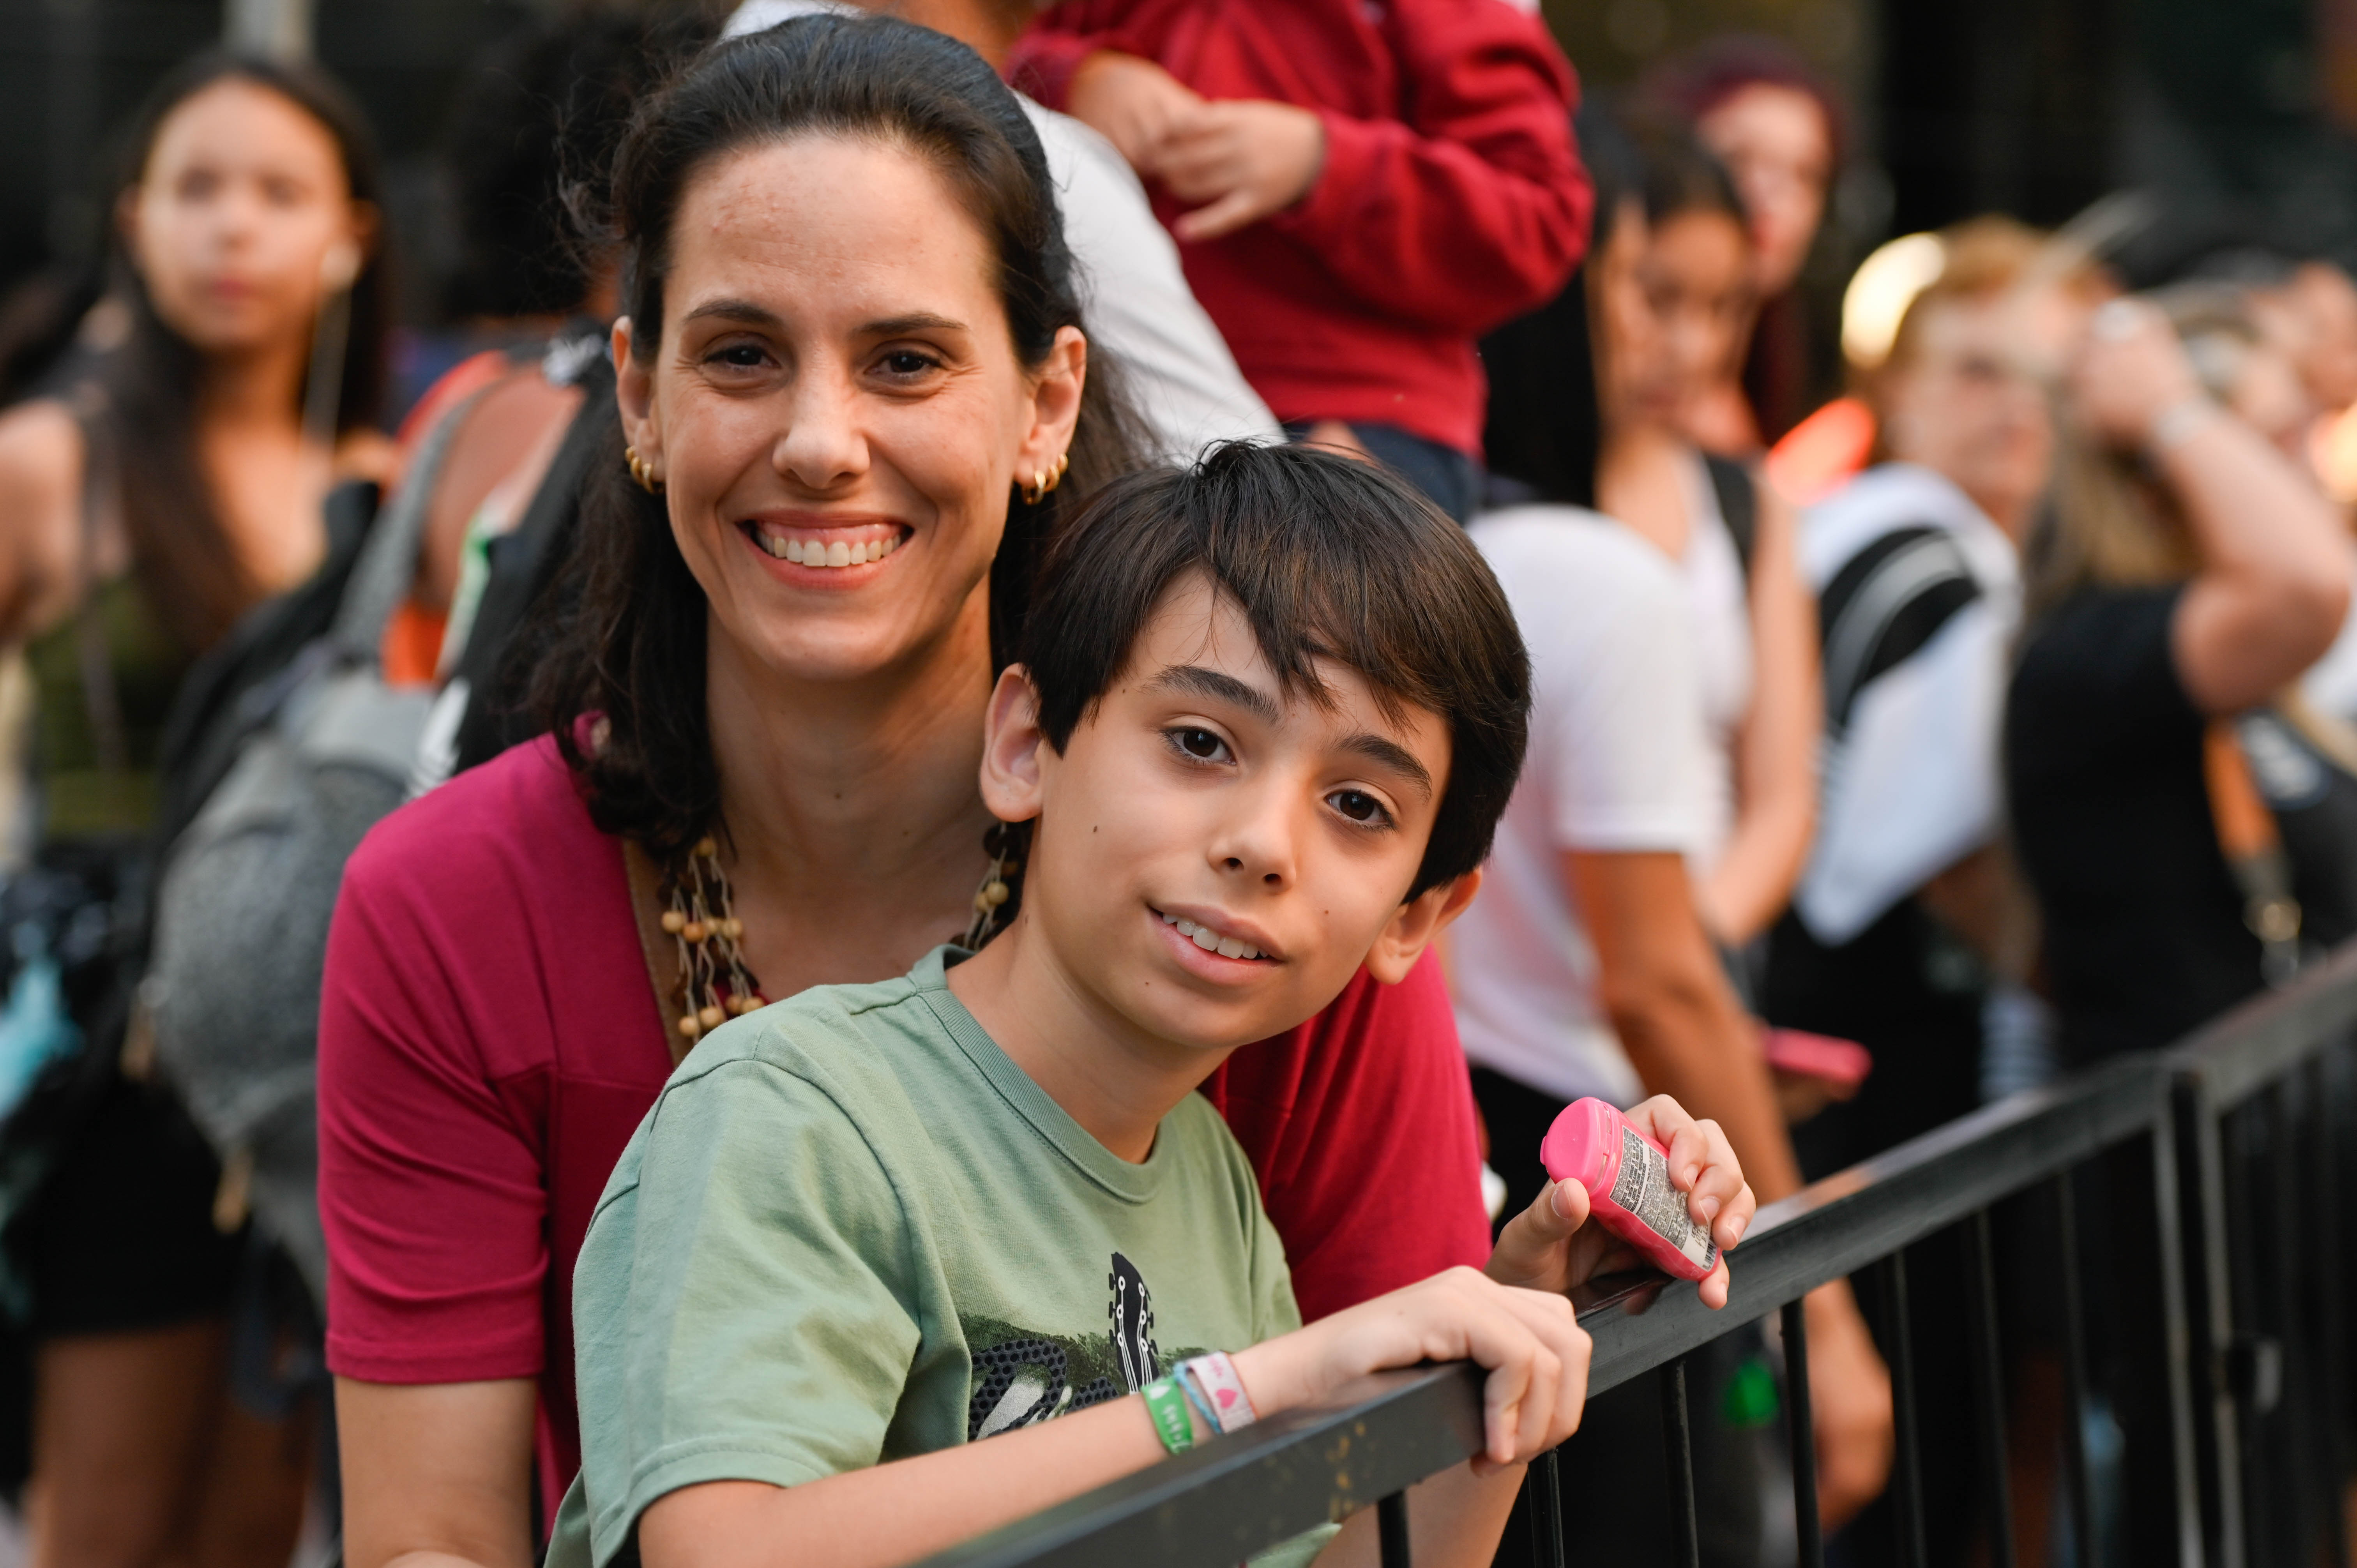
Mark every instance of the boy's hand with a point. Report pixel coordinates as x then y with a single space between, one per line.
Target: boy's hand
1535 1352
1132 102
1551 1247
1243 159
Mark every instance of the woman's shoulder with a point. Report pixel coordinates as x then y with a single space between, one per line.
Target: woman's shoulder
516 820
40 439
43 455
42 452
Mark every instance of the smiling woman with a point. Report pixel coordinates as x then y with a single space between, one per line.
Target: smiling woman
853 334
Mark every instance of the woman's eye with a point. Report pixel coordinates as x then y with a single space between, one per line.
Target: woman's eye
907 363
1199 744
1358 806
739 356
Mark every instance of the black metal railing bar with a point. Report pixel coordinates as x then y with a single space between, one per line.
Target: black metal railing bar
1213 1506
1210 1508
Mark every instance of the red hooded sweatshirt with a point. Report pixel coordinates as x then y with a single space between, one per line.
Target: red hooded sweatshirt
1451 199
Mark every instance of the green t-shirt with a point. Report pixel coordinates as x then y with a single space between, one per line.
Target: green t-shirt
853 1231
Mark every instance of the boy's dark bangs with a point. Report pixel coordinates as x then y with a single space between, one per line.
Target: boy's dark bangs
1307 601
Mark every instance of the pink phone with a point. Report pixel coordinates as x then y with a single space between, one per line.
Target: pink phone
1627 1175
1842 1064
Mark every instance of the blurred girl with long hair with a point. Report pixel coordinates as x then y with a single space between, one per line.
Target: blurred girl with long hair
166 475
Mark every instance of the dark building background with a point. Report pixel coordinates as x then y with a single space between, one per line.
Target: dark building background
2237 115
71 72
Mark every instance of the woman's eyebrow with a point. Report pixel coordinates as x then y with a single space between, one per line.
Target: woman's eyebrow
743 310
915 321
1220 687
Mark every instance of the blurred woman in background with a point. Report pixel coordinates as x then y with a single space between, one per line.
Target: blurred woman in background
1761 111
1587 965
2190 573
167 478
1664 319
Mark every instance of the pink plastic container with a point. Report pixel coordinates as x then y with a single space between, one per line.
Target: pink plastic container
1627 1175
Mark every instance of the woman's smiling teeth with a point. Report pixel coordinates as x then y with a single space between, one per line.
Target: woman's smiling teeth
1210 940
836 552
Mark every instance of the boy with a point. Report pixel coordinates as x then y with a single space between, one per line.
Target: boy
1269 712
1360 191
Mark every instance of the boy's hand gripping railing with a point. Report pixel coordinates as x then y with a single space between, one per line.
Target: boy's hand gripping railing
2266 1071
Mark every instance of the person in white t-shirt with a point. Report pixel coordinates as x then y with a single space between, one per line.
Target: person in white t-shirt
1177 369
1585 967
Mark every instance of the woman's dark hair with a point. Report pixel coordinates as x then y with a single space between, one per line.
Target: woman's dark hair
633 652
1311 547
179 546
1684 89
1545 427
542 114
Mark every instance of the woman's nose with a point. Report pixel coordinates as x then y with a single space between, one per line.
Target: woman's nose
822 446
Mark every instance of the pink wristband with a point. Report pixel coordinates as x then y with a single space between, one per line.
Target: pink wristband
1224 1393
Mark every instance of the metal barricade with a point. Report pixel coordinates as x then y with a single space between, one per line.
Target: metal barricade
2212 1162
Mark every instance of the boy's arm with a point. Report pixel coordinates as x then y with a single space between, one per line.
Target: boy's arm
904 1510
1536 1353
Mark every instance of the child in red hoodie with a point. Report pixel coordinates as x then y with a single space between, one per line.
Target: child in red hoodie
1360 189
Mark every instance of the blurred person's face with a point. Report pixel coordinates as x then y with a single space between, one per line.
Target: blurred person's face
242 221
1972 400
837 411
2327 360
1775 142
1690 288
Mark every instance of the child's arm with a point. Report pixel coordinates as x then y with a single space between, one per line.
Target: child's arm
1776 750
1536 1355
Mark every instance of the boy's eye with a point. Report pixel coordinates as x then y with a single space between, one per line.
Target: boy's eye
1199 744
1358 805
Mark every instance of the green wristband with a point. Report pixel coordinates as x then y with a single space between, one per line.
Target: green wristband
1172 1423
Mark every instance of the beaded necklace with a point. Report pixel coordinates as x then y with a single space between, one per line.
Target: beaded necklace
702 920
715 985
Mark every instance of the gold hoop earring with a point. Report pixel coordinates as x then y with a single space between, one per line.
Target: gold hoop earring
1045 481
643 471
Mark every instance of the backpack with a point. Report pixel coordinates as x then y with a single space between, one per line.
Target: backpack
286 762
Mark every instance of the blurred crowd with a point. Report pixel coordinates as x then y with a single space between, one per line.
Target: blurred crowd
1899 745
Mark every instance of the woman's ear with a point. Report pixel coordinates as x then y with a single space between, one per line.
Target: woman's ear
1416 923
345 260
634 394
1012 748
1055 404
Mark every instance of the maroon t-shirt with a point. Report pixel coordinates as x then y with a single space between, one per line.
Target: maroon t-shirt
488 1041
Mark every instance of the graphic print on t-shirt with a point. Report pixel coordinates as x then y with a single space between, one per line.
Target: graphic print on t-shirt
1023 1375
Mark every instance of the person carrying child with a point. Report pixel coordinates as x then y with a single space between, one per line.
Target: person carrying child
1359 192
1267 713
